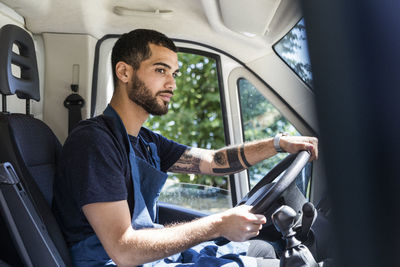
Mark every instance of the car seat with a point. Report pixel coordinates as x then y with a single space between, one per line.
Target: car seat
28 144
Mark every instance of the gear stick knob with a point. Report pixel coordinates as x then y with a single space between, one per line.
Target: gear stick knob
295 253
283 219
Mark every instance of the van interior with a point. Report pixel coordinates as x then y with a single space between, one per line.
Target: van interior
251 69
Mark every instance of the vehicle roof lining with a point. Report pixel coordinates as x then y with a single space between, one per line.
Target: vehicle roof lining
187 17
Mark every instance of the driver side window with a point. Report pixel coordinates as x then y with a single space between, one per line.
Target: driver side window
261 119
195 119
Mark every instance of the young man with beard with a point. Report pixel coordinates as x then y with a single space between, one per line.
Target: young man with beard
112 169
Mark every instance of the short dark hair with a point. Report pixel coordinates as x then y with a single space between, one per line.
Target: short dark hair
133 47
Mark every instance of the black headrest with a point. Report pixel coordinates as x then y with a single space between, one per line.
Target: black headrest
27 86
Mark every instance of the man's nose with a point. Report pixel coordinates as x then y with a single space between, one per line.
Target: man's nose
171 83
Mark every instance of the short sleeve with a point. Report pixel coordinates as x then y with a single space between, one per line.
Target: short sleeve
94 165
169 151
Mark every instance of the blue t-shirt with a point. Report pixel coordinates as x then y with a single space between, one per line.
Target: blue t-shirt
94 167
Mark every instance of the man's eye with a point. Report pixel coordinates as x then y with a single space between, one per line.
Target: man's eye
162 71
176 74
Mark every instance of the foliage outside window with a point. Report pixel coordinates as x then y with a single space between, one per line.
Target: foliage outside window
261 119
293 49
195 119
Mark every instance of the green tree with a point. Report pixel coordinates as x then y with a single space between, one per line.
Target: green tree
195 117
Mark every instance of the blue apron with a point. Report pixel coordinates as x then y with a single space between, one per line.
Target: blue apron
148 181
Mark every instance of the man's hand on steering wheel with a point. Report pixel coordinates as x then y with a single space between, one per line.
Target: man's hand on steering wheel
262 196
294 144
239 224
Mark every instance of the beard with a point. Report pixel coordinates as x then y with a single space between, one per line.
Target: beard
140 94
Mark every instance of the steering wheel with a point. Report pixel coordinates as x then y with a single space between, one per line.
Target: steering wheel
263 195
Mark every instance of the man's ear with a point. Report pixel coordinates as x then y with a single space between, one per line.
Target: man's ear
123 71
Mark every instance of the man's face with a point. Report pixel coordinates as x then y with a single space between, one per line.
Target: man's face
141 95
152 85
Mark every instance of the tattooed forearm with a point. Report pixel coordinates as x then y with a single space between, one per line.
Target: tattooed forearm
230 159
224 161
187 163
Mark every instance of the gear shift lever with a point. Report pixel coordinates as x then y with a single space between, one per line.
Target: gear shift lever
295 253
283 219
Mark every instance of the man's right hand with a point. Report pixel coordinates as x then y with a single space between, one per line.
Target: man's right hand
239 224
126 246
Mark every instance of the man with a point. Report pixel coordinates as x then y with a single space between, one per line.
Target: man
111 171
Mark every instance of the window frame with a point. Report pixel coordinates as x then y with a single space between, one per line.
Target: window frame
223 104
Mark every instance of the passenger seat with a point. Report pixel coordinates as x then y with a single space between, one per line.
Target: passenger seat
31 148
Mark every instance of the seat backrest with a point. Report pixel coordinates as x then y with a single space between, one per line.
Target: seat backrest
28 143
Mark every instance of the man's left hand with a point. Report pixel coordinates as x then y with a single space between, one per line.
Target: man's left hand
294 144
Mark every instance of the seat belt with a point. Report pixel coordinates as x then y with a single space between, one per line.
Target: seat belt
74 103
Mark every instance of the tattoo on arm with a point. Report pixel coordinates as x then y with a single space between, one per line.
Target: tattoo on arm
220 159
187 163
232 158
226 161
248 165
